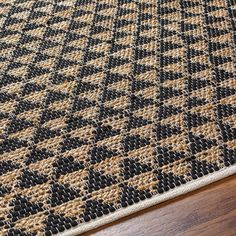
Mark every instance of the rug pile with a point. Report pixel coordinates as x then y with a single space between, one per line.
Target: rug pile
111 106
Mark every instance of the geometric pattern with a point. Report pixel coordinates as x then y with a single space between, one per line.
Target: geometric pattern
105 103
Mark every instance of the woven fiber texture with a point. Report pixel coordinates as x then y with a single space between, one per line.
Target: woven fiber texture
107 103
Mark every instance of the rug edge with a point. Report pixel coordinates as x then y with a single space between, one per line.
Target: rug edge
188 187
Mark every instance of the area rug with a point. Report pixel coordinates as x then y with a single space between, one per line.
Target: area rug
111 106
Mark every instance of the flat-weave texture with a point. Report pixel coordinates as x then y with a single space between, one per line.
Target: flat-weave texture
107 103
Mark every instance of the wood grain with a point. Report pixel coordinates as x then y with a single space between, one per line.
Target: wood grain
209 211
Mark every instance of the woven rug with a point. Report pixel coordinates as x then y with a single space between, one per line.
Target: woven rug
111 106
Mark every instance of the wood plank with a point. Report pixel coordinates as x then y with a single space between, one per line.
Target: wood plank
208 211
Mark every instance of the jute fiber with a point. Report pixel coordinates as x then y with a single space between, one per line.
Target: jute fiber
110 106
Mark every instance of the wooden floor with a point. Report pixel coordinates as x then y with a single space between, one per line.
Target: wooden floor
209 211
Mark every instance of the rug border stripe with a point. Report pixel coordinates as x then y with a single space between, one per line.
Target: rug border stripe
188 187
